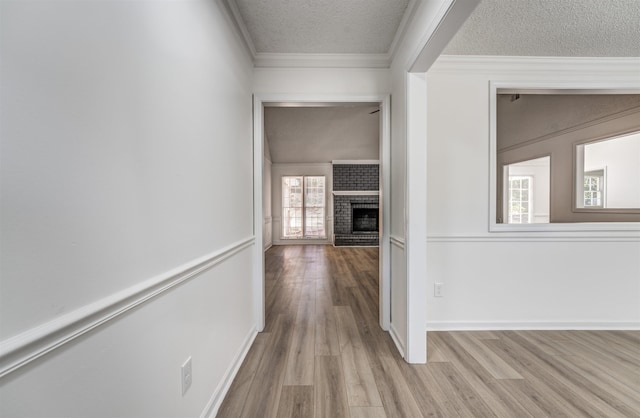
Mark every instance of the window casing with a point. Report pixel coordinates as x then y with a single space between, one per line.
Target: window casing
303 207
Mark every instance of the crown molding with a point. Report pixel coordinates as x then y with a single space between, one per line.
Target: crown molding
402 28
495 64
302 60
240 27
262 60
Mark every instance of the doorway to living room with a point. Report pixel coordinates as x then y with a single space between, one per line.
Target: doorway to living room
304 148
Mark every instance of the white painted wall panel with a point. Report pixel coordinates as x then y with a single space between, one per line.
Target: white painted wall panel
399 294
268 216
493 279
324 81
549 284
126 152
131 367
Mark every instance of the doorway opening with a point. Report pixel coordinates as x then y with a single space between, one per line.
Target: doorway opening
325 134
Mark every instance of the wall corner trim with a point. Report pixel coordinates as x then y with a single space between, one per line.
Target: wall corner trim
395 336
19 350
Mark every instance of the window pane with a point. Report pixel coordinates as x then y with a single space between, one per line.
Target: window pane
299 222
519 208
291 206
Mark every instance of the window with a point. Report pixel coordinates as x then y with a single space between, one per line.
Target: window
581 127
526 191
520 204
303 207
594 189
608 174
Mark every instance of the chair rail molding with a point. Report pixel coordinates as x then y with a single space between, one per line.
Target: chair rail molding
20 350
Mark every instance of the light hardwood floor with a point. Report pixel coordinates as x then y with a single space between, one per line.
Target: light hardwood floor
322 354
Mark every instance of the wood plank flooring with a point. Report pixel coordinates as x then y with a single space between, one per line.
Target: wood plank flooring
323 354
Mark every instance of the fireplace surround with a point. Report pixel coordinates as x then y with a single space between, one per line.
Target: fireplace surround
355 204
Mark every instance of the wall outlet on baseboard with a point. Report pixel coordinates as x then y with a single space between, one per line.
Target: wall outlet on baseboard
187 377
437 290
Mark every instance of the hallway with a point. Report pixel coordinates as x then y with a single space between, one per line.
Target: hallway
323 354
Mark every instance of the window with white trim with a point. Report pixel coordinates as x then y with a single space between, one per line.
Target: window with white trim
303 207
520 199
594 189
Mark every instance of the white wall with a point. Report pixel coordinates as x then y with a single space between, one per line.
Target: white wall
511 279
126 159
321 81
319 169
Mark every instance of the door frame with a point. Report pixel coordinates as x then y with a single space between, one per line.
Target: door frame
306 100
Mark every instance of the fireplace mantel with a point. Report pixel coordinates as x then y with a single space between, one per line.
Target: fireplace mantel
356 193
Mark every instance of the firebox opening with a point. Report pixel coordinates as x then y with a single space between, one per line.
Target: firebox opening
365 220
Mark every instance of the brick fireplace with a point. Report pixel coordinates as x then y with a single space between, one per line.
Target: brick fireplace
355 204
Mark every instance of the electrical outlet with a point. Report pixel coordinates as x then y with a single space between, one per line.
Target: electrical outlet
187 377
437 290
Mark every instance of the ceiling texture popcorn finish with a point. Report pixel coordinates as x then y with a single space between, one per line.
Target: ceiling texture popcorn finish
569 28
322 27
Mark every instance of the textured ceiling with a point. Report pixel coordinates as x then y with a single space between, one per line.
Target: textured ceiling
322 134
327 26
578 28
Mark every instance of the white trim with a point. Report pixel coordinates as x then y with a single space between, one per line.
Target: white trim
448 20
258 213
384 202
612 228
532 238
356 193
530 325
32 344
416 217
212 407
282 99
290 60
487 64
402 29
241 27
397 340
397 241
267 247
352 162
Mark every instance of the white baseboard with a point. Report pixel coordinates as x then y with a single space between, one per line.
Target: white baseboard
397 340
530 325
211 410
267 247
